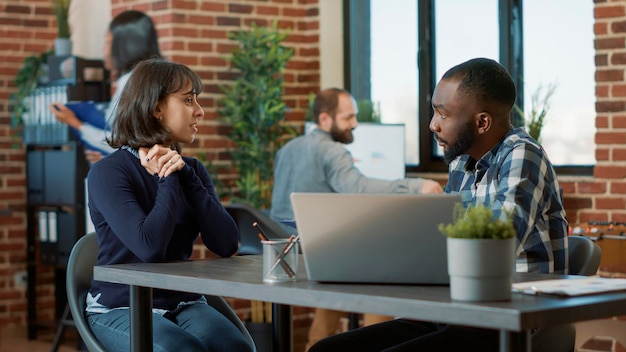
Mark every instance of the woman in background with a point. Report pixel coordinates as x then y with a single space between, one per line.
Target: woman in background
131 38
149 203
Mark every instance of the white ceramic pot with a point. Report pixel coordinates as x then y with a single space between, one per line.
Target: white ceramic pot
481 269
62 47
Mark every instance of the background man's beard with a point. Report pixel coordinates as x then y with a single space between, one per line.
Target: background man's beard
338 135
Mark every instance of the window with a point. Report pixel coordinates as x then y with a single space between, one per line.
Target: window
461 37
394 69
561 54
398 50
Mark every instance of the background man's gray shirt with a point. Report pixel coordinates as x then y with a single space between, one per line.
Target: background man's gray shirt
316 163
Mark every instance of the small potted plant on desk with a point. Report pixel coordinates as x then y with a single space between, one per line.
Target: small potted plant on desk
481 254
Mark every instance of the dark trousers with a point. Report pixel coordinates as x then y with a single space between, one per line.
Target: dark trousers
402 335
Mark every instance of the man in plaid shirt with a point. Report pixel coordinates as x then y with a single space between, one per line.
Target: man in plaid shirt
494 164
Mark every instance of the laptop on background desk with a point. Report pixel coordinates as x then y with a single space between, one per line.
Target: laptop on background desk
374 238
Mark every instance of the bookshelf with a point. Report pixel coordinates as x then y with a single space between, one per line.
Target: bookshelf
55 172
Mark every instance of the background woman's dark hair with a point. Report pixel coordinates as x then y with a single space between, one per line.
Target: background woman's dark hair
327 101
149 84
134 39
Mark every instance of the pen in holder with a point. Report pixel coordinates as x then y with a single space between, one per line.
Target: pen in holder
280 260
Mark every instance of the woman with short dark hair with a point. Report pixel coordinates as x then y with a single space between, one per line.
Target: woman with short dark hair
148 203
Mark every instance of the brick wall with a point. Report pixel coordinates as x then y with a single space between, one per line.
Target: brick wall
603 196
194 32
191 32
26 27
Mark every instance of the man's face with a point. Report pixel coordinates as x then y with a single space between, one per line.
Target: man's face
452 121
344 120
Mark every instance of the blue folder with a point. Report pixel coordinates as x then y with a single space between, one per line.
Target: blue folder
91 113
288 222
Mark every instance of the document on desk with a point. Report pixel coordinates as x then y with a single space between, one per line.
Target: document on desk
586 285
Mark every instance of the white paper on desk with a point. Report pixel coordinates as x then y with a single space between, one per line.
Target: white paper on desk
571 287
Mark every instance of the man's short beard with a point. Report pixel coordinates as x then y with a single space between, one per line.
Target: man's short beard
465 139
338 135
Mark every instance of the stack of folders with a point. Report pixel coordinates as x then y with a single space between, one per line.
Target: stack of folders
40 125
584 285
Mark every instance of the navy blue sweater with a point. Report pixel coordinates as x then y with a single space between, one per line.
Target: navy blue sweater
141 218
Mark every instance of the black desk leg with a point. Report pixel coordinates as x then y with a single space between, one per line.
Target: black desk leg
140 319
515 341
281 328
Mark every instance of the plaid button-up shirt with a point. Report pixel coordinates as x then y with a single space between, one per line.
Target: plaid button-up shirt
516 174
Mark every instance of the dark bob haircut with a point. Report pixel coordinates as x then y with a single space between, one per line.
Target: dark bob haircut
149 84
134 39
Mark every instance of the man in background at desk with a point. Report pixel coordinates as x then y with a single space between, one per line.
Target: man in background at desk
494 164
318 162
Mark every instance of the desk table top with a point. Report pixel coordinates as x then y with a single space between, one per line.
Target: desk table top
241 277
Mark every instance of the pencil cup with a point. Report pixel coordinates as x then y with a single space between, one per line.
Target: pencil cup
280 260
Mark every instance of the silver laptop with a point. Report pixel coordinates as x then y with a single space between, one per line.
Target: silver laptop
374 238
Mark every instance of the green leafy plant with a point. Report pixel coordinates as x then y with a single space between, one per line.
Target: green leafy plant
61 10
26 81
367 111
309 111
478 222
539 106
253 106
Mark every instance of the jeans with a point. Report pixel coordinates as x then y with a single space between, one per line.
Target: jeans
195 327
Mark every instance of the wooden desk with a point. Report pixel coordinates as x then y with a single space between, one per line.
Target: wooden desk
240 277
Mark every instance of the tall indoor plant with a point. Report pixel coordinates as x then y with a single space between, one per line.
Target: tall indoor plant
62 44
253 106
481 254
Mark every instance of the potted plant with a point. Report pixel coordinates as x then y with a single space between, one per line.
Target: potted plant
481 254
62 44
539 106
367 111
253 106
33 72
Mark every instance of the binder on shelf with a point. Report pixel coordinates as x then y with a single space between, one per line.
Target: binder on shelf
52 227
47 236
43 226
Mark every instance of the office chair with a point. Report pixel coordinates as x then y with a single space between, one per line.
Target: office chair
79 274
584 256
244 215
584 259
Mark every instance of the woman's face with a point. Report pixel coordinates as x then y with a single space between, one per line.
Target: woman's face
106 50
180 113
